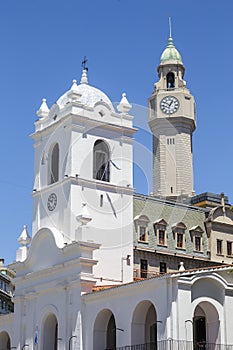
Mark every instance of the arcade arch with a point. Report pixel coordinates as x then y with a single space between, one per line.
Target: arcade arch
104 331
206 325
50 333
144 324
5 342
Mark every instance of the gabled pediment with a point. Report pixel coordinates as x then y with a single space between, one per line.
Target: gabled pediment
141 218
179 225
161 222
49 251
45 251
196 228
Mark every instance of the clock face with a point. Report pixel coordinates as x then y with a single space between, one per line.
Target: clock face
169 105
52 202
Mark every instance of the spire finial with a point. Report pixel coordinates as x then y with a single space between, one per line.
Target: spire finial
84 79
170 27
24 239
43 110
124 106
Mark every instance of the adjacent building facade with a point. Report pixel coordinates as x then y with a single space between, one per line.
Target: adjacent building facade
169 234
6 289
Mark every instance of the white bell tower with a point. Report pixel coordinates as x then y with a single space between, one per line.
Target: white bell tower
172 121
83 181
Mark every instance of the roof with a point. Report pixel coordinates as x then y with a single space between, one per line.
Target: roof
209 196
188 273
88 95
171 53
172 212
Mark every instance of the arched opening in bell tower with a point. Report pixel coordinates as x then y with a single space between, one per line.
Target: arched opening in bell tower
170 80
101 160
53 164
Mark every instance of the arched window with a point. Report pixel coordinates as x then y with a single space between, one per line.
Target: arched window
170 80
179 234
141 225
54 164
101 158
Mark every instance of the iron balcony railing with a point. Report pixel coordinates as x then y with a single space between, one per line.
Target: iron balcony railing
171 344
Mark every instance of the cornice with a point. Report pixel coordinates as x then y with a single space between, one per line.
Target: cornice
83 122
183 121
89 183
53 269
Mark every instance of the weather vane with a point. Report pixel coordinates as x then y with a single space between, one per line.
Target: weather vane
84 62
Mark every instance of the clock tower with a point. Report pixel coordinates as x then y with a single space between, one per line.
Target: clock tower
83 181
172 121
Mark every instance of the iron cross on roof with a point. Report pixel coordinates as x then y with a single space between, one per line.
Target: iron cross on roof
84 62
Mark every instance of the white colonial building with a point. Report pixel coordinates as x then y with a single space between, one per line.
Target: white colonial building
75 285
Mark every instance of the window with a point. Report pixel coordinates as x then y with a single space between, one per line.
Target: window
101 160
229 248
141 227
160 231
197 243
54 164
162 237
142 233
170 141
179 240
179 234
101 200
196 233
144 268
163 267
219 246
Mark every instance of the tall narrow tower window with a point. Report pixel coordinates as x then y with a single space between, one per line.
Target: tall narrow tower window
170 80
101 158
54 164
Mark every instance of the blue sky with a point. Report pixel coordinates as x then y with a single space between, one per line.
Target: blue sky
42 46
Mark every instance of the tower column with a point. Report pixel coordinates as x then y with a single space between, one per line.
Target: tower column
172 121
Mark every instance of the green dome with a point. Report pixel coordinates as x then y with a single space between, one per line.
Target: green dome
170 53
